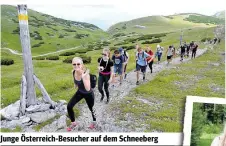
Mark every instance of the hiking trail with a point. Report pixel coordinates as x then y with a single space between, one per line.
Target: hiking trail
105 117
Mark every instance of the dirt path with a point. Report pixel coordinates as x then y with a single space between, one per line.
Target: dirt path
16 52
106 121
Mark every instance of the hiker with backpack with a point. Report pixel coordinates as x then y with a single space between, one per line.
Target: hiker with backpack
105 69
125 60
84 82
182 51
187 49
150 60
159 51
194 50
215 40
141 63
117 59
169 54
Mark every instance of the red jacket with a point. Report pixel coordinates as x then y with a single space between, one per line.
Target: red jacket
151 53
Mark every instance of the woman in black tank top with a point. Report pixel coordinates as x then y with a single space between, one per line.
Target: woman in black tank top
82 81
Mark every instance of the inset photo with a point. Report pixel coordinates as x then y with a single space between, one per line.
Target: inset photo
205 121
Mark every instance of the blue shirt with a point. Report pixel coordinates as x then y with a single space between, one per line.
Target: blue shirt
117 60
141 58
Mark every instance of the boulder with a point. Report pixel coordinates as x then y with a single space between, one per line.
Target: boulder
38 108
40 117
11 112
25 119
12 124
61 122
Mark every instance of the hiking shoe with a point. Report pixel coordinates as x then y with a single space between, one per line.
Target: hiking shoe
72 126
92 125
102 98
143 78
137 83
107 101
125 76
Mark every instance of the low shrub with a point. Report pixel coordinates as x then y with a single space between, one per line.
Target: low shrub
152 41
86 59
61 36
7 61
206 39
36 45
39 58
52 58
67 54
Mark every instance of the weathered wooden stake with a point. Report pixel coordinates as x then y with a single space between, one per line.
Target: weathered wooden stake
23 95
44 92
28 95
27 58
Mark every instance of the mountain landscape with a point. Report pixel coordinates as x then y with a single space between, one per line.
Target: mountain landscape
148 107
48 33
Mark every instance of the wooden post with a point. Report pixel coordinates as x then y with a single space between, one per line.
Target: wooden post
44 92
23 96
27 58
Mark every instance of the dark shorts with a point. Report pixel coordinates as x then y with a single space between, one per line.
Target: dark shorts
142 68
118 69
169 57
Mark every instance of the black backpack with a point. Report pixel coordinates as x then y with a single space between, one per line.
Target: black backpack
93 80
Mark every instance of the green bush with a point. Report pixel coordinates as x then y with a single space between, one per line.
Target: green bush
86 59
81 51
152 41
52 58
69 30
67 54
61 36
206 39
36 45
89 49
39 58
150 36
119 44
80 36
7 61
42 43
16 31
38 37
119 34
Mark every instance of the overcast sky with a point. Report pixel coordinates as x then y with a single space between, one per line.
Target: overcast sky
105 13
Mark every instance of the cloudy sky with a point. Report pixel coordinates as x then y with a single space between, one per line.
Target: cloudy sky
105 13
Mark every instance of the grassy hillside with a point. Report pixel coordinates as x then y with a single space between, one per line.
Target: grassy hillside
205 19
47 33
154 24
56 75
199 77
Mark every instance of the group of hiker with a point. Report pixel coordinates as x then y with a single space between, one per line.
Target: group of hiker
111 66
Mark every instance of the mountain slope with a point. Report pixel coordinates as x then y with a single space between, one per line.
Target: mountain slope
156 24
47 33
220 15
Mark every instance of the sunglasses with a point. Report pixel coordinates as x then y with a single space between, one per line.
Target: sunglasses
78 64
104 54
